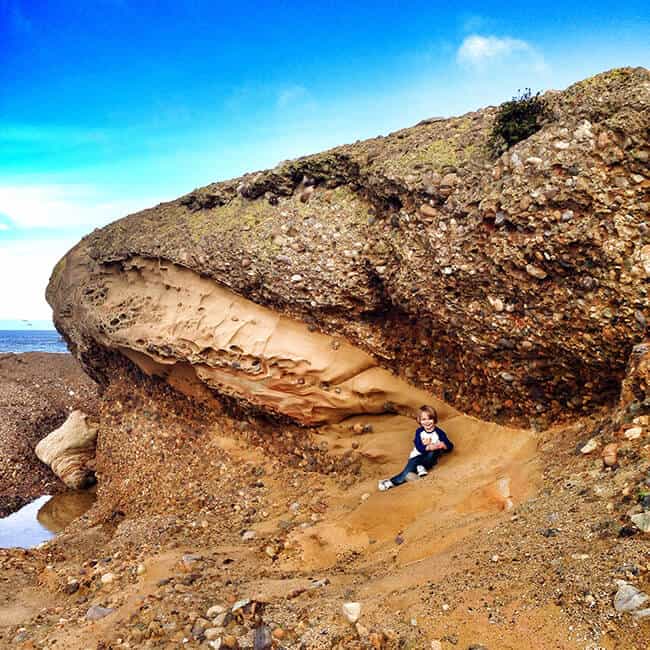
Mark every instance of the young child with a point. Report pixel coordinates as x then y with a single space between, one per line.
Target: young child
429 444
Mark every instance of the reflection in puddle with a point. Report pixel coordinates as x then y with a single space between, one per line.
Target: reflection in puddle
41 519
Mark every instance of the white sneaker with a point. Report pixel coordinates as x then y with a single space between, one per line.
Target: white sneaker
384 485
421 471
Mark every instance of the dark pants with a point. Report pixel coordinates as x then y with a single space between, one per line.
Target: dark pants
427 460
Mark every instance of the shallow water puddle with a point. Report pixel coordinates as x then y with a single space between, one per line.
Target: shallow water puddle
43 518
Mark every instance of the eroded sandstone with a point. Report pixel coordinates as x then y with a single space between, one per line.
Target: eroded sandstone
201 337
70 449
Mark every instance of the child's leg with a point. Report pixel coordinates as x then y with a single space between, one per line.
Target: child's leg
410 468
430 458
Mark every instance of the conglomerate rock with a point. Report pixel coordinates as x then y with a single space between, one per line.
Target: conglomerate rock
512 288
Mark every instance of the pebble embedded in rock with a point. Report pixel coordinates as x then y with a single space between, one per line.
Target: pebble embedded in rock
97 612
496 303
240 604
610 454
536 271
215 610
212 633
633 434
589 446
352 611
642 521
628 597
262 639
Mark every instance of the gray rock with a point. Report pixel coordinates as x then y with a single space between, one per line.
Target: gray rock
262 639
96 612
628 597
240 604
642 521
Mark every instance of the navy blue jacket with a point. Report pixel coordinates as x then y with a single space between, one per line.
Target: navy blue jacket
419 445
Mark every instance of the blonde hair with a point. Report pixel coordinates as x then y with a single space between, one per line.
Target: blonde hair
430 411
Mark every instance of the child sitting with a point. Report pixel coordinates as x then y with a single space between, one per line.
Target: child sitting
429 444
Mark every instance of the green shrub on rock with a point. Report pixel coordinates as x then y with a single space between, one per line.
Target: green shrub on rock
516 120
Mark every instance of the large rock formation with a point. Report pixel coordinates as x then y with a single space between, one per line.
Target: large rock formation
510 287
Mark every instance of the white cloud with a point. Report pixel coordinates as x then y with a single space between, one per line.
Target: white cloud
48 220
64 206
476 49
25 268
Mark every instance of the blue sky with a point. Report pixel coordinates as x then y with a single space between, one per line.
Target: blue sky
111 106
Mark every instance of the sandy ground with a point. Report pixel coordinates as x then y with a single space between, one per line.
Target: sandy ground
513 541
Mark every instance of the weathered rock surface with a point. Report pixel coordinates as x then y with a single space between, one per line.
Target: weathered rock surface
69 449
509 287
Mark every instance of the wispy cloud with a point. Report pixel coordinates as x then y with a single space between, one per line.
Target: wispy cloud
268 97
32 262
38 225
478 51
64 206
5 222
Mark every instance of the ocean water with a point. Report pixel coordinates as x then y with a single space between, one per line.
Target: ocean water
31 341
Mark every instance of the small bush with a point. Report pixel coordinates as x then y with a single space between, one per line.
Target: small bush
516 120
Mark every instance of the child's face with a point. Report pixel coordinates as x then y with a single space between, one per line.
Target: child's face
427 422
